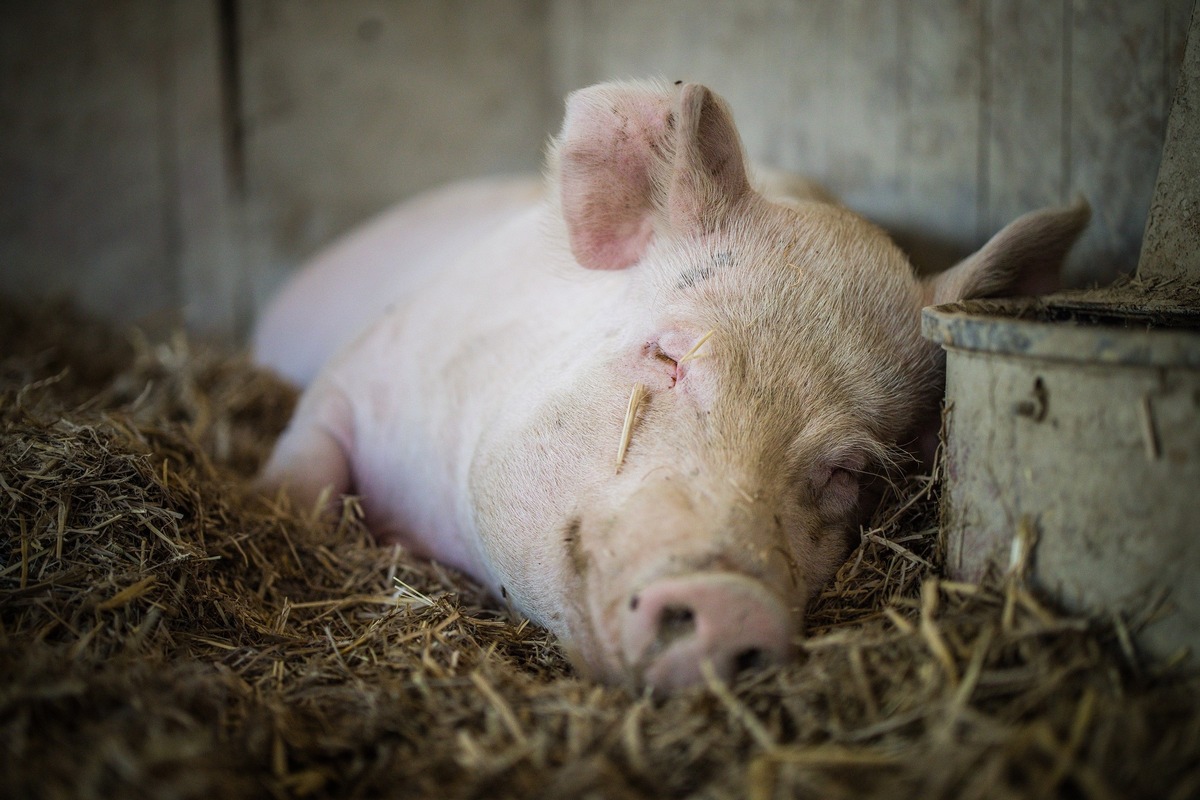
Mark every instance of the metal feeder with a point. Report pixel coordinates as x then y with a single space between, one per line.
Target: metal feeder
1073 434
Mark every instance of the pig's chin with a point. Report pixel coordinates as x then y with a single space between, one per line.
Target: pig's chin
588 628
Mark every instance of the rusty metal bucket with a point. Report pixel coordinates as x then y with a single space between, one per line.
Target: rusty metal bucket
1073 439
1078 423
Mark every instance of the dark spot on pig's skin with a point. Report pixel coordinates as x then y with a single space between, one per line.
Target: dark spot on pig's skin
633 603
504 592
678 83
693 276
575 555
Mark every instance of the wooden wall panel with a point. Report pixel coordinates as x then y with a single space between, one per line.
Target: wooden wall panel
745 50
809 91
351 106
159 158
942 187
1024 98
1117 120
209 257
84 195
785 67
941 119
860 130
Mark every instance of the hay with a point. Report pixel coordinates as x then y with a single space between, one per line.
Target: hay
164 634
695 351
637 396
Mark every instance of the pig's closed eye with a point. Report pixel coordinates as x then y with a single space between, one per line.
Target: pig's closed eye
657 352
669 365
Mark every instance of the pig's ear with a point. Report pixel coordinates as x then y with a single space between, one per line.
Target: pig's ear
1024 258
610 156
709 170
629 151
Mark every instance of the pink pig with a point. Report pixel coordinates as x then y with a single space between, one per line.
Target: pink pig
648 406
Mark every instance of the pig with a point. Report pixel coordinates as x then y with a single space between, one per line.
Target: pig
643 402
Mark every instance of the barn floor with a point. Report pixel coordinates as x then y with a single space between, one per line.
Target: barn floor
164 634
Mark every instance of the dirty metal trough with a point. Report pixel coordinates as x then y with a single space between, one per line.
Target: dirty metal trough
1073 432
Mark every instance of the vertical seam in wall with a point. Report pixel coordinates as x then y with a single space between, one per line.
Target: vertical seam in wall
230 65
168 158
904 97
1166 62
1068 58
233 126
983 200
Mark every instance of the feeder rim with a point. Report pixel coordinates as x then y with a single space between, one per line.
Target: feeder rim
998 326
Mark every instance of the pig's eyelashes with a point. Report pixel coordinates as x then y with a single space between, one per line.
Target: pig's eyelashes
657 352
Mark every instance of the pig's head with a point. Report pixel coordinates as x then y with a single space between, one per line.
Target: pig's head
754 453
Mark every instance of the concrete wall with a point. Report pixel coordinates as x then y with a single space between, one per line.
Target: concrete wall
176 160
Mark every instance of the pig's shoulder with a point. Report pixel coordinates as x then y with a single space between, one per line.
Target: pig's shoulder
789 188
463 199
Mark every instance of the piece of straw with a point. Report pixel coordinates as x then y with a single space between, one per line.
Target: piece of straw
636 397
694 352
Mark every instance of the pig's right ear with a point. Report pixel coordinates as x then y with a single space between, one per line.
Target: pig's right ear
610 156
1024 258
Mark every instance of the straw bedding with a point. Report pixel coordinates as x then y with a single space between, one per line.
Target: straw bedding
164 633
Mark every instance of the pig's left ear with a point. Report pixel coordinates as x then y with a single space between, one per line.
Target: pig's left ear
629 152
1023 258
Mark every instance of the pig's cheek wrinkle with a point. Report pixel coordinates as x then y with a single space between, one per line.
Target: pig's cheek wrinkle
839 495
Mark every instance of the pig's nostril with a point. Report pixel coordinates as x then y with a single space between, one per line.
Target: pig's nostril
675 622
728 620
751 659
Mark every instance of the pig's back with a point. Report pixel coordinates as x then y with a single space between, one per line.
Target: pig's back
345 287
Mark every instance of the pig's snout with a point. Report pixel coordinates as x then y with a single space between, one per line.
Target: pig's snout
672 626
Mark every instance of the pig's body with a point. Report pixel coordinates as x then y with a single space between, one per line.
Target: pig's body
350 285
479 415
462 322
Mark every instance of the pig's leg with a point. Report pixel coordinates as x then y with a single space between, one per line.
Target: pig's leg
312 457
